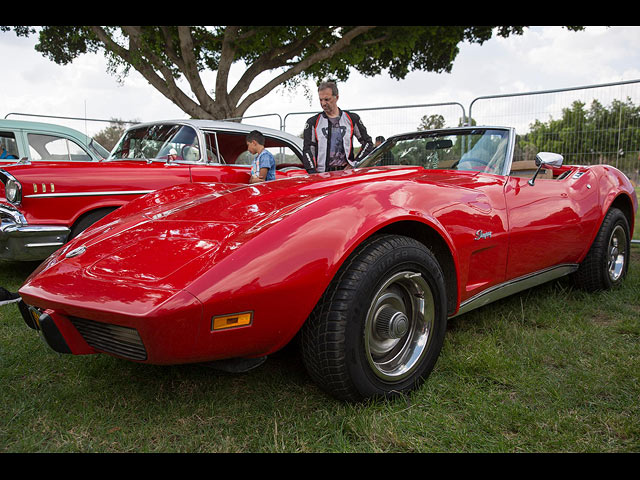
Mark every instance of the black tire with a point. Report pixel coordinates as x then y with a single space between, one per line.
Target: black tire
89 219
379 328
607 262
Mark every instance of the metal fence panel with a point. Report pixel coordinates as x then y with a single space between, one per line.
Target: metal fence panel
588 125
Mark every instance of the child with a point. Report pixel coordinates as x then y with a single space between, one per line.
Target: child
263 167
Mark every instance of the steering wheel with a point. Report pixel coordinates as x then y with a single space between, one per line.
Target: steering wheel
188 150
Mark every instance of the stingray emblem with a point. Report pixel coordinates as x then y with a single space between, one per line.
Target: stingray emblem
480 235
76 251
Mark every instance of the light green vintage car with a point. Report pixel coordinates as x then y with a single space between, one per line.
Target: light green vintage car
35 141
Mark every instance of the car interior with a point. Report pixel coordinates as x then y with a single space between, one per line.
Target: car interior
233 150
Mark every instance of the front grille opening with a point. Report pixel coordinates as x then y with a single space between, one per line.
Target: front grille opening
115 339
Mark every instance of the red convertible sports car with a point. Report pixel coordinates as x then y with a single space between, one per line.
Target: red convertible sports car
365 265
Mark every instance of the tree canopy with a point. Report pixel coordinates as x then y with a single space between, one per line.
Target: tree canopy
165 54
598 134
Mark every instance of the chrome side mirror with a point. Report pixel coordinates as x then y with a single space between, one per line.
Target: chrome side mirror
546 159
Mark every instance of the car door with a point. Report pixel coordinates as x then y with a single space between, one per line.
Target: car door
479 214
221 151
548 221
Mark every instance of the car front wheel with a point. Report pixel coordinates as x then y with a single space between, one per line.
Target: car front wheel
380 326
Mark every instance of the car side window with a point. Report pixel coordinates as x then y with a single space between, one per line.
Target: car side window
50 147
213 156
8 146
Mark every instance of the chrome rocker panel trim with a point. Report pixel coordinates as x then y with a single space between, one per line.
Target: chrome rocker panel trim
514 286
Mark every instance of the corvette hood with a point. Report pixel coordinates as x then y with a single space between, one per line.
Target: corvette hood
182 222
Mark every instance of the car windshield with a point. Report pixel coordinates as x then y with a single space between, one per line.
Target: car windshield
162 142
483 150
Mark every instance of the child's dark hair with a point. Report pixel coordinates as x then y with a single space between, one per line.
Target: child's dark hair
255 135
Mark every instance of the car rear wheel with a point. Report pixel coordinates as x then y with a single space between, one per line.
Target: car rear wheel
379 328
607 262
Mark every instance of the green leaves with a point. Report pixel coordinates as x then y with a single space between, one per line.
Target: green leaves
64 43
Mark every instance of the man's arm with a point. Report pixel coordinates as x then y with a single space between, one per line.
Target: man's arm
360 132
309 147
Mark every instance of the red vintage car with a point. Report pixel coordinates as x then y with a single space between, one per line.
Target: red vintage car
47 199
365 265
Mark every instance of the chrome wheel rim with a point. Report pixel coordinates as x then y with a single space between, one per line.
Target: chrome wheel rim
616 253
399 325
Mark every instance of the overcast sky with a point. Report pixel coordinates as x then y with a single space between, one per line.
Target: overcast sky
543 58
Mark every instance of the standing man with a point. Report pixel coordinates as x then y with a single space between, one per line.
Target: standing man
328 136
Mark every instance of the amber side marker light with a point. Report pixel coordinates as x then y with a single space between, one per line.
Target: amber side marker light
231 321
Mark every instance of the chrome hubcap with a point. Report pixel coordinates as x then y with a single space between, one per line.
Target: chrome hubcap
391 323
398 326
617 252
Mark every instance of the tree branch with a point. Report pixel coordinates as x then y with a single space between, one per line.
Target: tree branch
276 58
134 56
340 46
227 55
190 68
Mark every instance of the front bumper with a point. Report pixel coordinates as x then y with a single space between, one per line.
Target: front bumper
22 242
45 325
160 337
83 337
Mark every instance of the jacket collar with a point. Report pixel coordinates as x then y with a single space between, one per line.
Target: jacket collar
323 113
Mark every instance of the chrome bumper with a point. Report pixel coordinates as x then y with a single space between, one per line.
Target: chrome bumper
22 242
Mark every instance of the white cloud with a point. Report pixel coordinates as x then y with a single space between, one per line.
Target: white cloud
596 55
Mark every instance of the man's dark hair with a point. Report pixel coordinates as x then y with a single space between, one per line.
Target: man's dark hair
257 136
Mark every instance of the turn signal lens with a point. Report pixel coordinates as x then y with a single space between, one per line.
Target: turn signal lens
231 321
